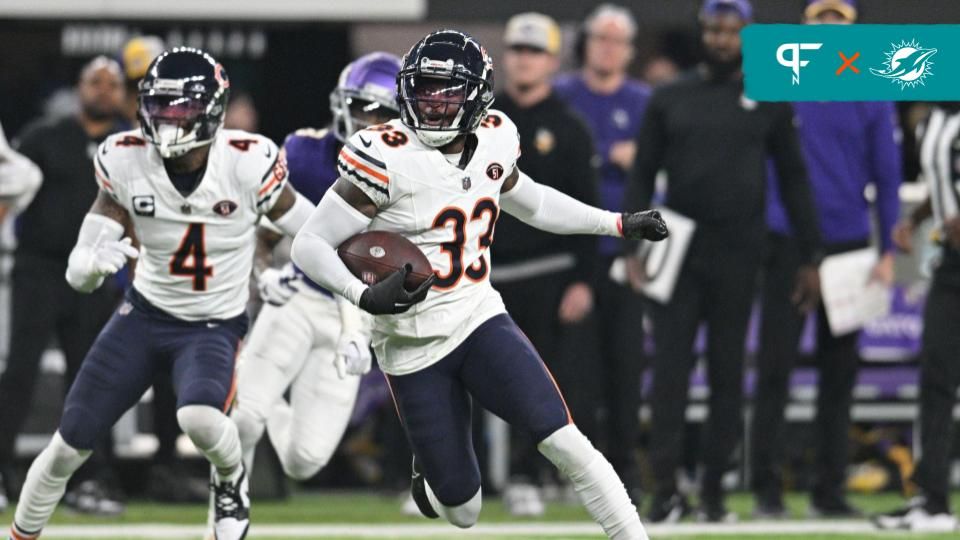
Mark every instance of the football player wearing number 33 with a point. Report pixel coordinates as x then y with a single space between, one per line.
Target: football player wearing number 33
439 176
193 193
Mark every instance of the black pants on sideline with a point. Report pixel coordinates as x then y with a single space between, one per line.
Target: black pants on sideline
836 359
44 306
534 305
619 316
716 285
939 379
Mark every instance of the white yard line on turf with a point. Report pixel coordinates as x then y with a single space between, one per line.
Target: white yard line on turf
405 530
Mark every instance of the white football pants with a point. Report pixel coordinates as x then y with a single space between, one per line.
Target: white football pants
293 346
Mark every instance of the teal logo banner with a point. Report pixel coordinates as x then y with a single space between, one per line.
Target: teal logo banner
858 62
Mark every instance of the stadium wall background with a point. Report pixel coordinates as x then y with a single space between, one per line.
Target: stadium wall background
288 60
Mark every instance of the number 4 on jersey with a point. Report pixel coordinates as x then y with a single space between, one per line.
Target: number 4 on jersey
190 259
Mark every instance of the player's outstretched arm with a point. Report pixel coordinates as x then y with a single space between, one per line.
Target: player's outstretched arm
100 251
550 210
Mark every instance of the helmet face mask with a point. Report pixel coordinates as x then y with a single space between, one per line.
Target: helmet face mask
173 121
365 94
182 101
445 87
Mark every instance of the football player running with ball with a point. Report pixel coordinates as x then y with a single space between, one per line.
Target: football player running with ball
439 176
301 340
193 193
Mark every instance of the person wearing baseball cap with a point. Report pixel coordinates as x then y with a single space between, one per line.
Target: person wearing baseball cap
830 12
545 280
742 9
135 57
534 31
847 145
714 143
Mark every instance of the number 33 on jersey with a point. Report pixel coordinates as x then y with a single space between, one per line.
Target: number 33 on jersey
196 250
448 212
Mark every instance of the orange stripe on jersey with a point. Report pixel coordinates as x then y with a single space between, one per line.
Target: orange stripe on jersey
106 183
379 176
273 181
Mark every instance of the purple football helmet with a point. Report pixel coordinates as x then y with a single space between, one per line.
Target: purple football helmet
366 94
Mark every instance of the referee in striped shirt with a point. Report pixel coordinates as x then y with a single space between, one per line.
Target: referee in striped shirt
940 362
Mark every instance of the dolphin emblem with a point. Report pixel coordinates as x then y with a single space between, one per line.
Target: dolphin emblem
908 64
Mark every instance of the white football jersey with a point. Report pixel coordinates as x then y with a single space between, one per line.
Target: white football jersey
449 213
196 252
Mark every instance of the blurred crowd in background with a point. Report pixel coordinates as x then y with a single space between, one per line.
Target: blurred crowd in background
617 115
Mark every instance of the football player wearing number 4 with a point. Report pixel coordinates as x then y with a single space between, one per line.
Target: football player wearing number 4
439 176
193 194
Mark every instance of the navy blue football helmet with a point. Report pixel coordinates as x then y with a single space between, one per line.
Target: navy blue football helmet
445 86
182 100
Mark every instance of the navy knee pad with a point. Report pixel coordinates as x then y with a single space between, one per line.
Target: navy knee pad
80 427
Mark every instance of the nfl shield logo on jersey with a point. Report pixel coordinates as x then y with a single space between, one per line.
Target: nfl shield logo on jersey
225 208
466 183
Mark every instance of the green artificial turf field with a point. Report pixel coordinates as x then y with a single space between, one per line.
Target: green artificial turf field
349 516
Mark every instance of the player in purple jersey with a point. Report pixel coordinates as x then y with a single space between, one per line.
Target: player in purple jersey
301 340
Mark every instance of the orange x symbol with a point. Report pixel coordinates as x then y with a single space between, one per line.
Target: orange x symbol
848 63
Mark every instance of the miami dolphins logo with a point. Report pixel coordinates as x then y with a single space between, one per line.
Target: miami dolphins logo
908 64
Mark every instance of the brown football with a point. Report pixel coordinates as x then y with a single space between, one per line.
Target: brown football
374 255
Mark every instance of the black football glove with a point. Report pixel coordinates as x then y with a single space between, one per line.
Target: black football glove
643 226
389 297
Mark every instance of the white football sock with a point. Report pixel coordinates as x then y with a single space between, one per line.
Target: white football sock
215 435
250 428
597 485
464 515
45 484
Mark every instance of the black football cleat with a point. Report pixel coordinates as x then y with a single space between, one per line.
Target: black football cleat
418 489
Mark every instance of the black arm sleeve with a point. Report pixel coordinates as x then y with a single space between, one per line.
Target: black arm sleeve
784 147
581 182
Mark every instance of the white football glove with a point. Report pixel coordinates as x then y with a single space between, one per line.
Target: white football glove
277 286
353 355
111 255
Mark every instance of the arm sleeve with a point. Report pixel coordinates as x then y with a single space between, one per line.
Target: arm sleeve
886 169
294 218
315 247
94 230
581 179
547 209
784 147
360 163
